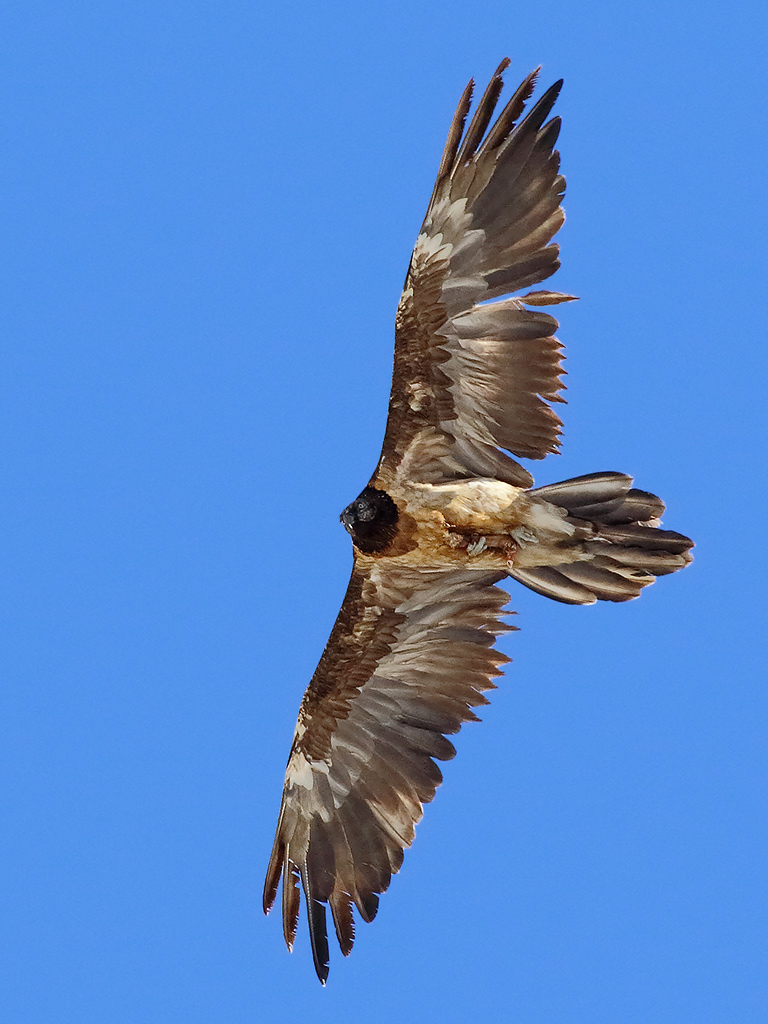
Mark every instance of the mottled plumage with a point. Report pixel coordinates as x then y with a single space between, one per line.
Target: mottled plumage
447 515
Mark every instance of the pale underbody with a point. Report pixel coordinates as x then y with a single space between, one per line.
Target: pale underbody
487 524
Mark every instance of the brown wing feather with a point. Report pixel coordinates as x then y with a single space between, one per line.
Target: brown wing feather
410 655
472 377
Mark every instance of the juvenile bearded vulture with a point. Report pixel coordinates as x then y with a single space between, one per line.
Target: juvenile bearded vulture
448 515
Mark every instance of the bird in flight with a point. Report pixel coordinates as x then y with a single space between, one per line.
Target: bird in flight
446 516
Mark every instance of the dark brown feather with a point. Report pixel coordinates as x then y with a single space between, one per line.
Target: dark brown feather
483 114
291 902
454 136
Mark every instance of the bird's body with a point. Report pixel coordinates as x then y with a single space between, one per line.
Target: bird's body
489 524
474 524
446 516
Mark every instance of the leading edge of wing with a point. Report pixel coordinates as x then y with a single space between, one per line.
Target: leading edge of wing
480 374
410 655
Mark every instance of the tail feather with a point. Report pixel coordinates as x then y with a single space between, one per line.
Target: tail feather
580 492
608 582
625 549
549 581
642 536
658 563
636 507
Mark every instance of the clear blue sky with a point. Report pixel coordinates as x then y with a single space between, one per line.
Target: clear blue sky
207 213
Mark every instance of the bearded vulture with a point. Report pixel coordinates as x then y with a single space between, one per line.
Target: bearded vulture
448 515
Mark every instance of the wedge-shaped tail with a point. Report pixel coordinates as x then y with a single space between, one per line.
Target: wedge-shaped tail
629 549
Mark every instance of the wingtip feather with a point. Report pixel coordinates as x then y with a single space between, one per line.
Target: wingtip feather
318 929
272 880
291 903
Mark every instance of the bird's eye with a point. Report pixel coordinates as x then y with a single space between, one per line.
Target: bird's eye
365 511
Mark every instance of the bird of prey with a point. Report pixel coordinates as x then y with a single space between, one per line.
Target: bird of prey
446 516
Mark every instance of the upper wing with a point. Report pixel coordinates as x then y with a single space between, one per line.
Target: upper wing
409 656
470 376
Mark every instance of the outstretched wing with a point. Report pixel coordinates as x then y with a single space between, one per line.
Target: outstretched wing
472 376
409 656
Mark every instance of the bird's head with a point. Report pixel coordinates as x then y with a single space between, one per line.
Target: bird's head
371 520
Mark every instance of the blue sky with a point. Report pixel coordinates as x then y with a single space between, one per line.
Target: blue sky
207 215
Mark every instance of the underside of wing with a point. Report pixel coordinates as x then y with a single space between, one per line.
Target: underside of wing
474 376
409 657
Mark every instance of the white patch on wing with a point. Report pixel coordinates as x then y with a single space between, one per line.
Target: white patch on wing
450 220
300 770
418 392
431 247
